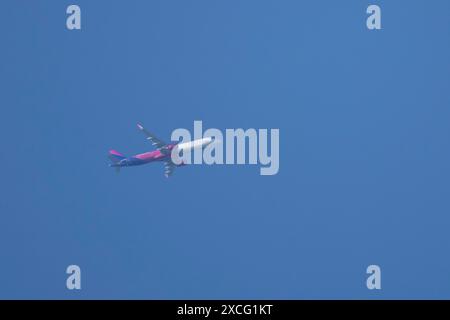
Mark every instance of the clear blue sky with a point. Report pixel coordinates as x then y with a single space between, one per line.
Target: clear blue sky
364 159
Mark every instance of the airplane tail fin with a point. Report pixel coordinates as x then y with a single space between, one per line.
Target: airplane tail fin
115 156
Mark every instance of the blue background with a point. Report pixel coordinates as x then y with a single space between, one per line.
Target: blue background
364 149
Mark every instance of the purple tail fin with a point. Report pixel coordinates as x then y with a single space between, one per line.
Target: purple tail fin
115 156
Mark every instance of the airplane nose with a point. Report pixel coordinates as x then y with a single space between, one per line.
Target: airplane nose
211 140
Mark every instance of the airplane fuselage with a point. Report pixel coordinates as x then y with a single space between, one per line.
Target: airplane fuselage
162 154
145 157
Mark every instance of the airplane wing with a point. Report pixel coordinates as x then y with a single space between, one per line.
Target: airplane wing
151 137
169 168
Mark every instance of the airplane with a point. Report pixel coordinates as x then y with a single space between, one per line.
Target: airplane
161 154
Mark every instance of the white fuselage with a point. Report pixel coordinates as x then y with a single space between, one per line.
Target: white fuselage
195 144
